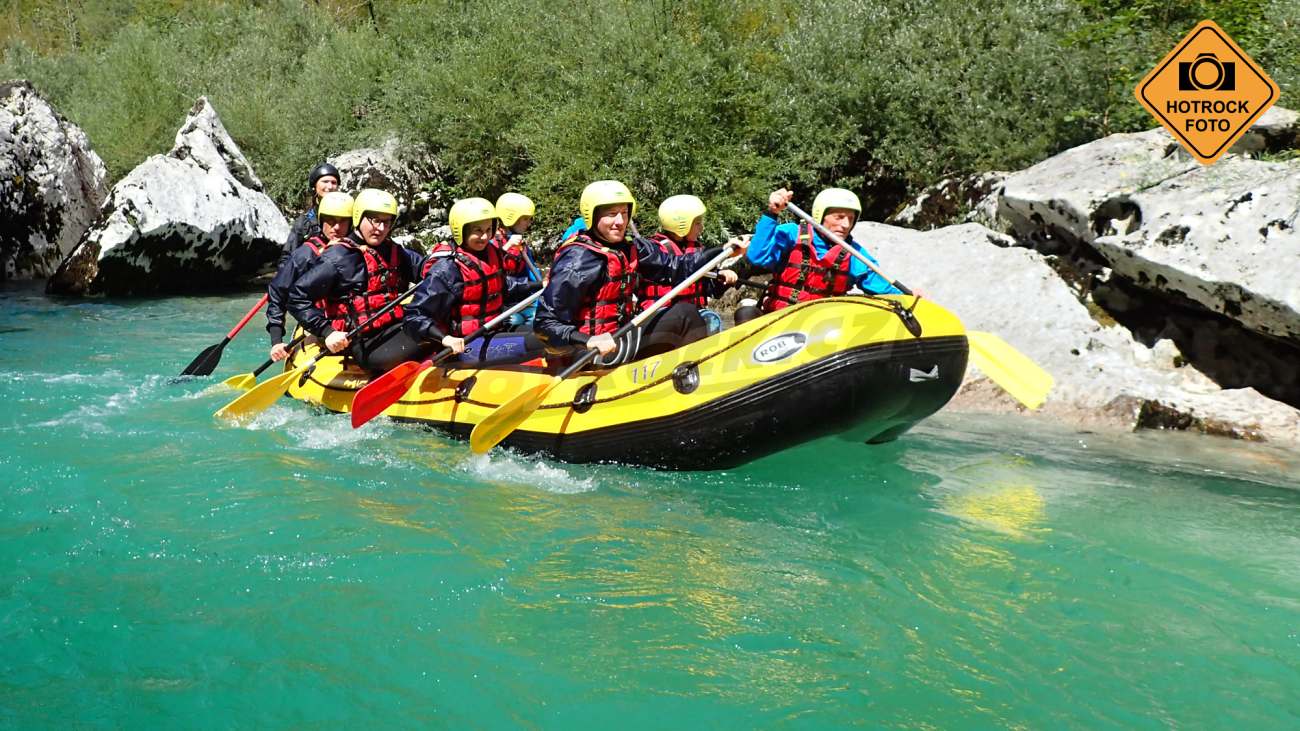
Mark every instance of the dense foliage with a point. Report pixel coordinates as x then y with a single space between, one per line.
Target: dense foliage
720 99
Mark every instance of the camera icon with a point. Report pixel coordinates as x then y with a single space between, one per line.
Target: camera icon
1192 75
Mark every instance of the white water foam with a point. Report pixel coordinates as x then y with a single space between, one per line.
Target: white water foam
513 469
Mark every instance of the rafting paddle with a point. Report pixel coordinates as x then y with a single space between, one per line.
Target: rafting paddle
261 396
500 423
1012 370
245 381
385 390
206 362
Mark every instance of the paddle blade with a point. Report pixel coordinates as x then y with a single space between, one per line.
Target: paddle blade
508 416
241 382
206 362
261 397
1012 370
384 391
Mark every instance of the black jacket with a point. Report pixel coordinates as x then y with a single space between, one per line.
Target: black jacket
302 229
578 271
277 292
340 273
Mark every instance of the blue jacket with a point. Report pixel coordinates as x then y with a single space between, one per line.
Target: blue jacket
277 292
578 270
772 244
577 225
340 273
438 298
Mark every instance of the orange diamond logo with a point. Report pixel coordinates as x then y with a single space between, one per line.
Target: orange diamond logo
1207 92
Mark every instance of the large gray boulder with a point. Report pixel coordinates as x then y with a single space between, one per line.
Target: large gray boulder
191 220
1103 375
51 184
1222 236
409 172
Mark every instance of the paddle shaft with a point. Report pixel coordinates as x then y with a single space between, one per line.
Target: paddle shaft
844 245
741 282
271 361
235 330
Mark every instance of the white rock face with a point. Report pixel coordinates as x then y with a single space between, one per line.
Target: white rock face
970 199
51 184
410 173
190 220
1102 374
1223 237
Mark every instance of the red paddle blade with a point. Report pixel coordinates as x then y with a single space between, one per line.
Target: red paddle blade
384 391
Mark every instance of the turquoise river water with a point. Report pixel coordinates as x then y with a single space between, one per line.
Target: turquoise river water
160 570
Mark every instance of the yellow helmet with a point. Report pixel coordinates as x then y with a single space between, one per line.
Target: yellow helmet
466 211
511 206
678 213
335 204
835 198
603 193
372 200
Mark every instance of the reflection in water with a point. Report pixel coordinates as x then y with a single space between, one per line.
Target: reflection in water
1016 510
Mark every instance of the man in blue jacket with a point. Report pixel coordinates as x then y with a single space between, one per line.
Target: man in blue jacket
805 267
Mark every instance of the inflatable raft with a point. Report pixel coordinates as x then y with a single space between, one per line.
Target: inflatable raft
842 365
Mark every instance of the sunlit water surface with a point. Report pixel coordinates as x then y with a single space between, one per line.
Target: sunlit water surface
160 569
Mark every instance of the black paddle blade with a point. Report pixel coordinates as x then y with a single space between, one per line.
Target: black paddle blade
206 362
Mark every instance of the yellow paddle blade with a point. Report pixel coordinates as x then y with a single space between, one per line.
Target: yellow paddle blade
241 382
1012 370
260 397
508 416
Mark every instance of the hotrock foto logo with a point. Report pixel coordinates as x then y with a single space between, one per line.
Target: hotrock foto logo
780 347
1207 92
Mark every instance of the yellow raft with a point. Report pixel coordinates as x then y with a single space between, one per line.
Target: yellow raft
845 365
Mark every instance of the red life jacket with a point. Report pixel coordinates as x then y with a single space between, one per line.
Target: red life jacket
317 244
383 285
484 294
446 248
805 276
515 263
651 291
611 305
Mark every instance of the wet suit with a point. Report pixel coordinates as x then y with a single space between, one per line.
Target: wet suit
339 275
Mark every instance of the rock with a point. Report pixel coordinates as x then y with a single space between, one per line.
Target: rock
1223 237
1103 375
972 199
193 219
1172 248
409 172
51 184
1275 131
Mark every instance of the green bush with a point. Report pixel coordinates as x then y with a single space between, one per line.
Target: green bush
722 100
